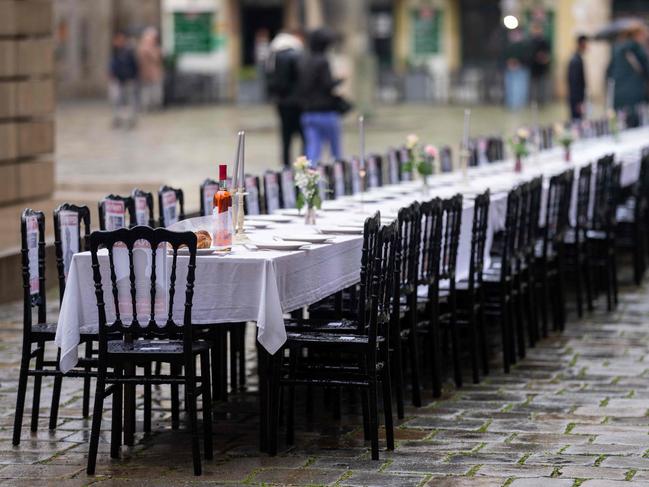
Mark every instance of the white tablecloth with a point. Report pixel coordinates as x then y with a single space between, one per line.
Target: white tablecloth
261 286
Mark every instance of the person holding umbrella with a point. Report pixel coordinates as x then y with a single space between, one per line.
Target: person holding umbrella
629 69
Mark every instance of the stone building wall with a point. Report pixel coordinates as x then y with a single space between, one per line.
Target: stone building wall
26 101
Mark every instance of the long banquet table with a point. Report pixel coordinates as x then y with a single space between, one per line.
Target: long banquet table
261 286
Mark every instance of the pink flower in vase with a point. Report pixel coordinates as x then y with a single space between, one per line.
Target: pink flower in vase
431 151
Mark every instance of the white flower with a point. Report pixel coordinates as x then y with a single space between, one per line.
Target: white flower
523 133
411 141
301 163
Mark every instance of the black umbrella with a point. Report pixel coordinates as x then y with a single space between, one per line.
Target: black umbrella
615 28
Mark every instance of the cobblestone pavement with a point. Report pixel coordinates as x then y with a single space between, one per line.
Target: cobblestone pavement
574 412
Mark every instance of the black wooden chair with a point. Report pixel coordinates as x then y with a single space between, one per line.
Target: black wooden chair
374 178
252 201
208 189
272 192
576 244
549 254
143 202
171 205
143 341
37 331
601 232
499 279
632 218
367 349
428 292
114 210
470 291
288 188
393 167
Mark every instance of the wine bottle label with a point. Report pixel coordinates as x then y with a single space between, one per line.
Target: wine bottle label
222 229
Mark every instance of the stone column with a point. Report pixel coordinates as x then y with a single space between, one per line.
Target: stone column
26 101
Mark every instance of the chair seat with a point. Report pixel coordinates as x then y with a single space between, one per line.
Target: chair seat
311 325
625 214
44 328
324 338
157 347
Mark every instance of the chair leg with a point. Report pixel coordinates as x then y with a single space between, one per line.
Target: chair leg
585 268
483 339
223 360
86 383
22 391
274 394
38 380
504 329
290 407
96 421
546 300
242 354
146 427
579 285
374 423
190 406
396 363
387 407
175 400
234 345
520 317
56 396
214 364
455 349
614 276
413 354
206 389
116 419
365 407
473 337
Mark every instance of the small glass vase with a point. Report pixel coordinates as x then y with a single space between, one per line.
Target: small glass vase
425 187
566 154
309 216
518 165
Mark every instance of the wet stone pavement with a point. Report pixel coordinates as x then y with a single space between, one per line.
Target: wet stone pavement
574 412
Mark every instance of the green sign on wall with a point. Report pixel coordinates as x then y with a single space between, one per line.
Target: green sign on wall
193 32
426 31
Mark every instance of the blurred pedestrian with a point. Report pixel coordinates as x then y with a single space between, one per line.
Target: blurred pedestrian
517 75
149 58
321 107
539 64
282 74
123 74
577 80
629 68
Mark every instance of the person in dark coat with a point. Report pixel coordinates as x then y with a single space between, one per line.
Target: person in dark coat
123 83
282 74
539 64
629 68
577 80
320 116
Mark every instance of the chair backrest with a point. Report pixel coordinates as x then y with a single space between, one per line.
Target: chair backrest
452 208
522 225
478 238
603 177
113 211
143 202
552 227
583 201
32 237
68 238
374 165
338 179
354 168
404 155
409 223
432 216
446 159
272 191
383 283
510 233
208 189
252 200
142 320
534 212
370 240
394 170
287 188
171 205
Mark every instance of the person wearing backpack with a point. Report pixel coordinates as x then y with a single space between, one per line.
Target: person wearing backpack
282 77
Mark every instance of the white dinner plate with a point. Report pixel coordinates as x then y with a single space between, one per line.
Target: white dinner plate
341 230
268 218
280 245
255 224
185 251
311 238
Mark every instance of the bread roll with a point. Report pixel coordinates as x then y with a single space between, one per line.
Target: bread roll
204 239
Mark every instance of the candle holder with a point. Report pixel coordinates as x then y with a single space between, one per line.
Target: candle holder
238 217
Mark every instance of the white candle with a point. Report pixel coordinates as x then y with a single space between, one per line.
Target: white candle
465 136
235 173
242 173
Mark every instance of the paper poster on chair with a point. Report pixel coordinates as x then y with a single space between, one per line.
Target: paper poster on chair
169 207
69 228
32 253
114 215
